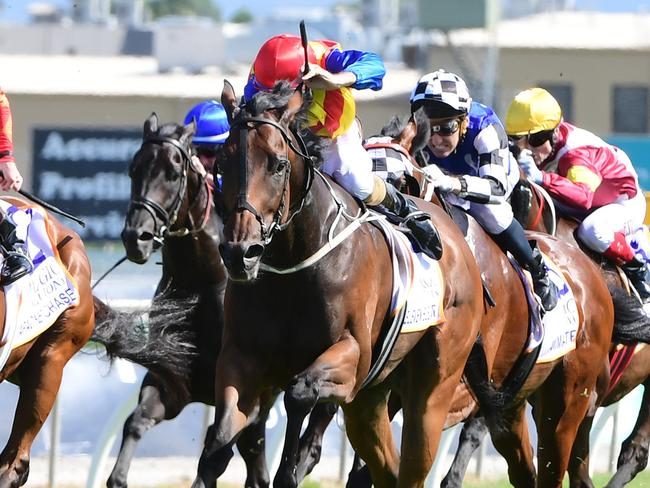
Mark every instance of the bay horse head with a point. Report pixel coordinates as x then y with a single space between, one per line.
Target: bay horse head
266 174
159 173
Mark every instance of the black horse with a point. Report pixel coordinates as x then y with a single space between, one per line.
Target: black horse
172 207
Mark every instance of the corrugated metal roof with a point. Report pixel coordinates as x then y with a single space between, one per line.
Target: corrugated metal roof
566 30
138 76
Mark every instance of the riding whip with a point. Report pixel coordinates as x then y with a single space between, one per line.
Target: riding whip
303 38
50 207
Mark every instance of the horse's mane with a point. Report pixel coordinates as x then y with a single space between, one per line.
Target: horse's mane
278 99
396 125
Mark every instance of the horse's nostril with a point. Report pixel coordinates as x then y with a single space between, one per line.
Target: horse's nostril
145 236
254 251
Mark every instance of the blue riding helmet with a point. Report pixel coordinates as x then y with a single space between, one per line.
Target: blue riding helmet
212 125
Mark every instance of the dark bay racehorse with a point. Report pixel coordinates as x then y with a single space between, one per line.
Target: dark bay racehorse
563 382
172 206
37 366
306 309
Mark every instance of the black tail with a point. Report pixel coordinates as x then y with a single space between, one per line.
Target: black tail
151 343
495 403
631 324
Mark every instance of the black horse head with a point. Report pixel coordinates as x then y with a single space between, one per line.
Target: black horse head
159 182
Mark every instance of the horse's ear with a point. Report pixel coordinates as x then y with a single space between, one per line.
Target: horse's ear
408 133
228 99
188 130
151 125
294 105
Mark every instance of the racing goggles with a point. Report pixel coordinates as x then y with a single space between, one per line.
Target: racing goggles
445 128
534 140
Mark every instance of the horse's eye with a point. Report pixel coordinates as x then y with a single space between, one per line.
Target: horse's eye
174 175
279 165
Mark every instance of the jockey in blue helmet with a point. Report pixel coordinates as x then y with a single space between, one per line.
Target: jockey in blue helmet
212 129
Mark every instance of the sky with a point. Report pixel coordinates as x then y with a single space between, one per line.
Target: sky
16 10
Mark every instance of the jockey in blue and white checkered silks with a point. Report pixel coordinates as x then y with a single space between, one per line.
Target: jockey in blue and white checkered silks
469 161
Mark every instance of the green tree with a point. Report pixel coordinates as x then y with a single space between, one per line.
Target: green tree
242 16
203 8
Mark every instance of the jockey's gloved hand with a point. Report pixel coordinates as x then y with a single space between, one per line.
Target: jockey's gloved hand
438 179
528 165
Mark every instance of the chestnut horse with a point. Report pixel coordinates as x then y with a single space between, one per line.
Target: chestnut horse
633 457
503 335
631 325
308 303
172 206
37 366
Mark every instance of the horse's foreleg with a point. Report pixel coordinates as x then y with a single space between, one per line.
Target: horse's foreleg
367 424
579 462
311 441
251 444
510 437
473 432
331 377
564 400
237 404
151 410
633 457
40 378
359 475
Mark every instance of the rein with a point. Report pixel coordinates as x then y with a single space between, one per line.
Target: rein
159 213
545 198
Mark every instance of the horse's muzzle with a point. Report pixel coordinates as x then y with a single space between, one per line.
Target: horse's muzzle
138 245
242 259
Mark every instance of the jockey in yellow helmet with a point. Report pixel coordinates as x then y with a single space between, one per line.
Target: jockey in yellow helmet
592 180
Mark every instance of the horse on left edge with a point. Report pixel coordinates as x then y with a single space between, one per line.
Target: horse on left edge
36 365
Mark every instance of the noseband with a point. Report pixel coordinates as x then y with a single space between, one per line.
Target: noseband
157 212
244 124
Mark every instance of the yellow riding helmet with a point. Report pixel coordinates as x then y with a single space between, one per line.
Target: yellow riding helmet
531 111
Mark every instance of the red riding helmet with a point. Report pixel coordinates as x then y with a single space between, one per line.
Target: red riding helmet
281 58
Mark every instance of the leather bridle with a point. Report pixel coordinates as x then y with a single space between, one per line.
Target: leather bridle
267 231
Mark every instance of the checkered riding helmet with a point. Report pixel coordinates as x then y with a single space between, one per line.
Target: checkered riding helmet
443 90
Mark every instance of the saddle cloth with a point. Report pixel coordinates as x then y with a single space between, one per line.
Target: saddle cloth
558 328
417 283
34 302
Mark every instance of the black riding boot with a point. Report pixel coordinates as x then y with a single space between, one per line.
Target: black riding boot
417 221
529 256
16 263
639 275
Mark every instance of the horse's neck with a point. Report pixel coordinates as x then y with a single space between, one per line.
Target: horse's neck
194 259
319 212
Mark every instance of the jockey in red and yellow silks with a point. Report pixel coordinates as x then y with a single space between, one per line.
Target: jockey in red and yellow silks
332 111
16 263
594 180
331 76
590 173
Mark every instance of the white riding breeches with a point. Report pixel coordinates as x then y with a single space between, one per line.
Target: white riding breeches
493 217
349 163
598 229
